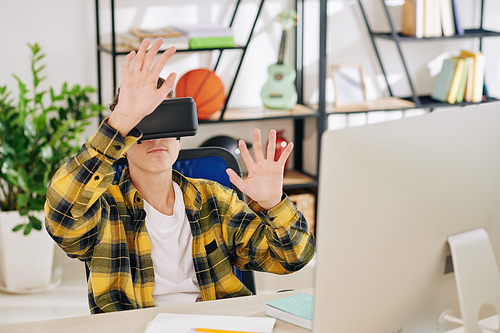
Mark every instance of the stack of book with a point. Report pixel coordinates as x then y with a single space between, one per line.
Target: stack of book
461 79
430 18
171 37
296 310
206 36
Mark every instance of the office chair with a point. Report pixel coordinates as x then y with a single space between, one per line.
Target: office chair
207 163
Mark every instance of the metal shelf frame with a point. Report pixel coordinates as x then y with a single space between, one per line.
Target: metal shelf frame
298 120
114 53
419 100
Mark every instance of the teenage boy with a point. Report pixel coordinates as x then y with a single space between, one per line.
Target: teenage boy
156 237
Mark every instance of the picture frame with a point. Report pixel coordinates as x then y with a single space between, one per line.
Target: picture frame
349 84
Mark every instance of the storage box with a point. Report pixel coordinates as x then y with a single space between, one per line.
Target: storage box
306 203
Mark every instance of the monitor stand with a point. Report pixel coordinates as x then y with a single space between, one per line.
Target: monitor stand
476 275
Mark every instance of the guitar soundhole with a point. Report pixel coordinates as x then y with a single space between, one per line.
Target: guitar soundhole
278 77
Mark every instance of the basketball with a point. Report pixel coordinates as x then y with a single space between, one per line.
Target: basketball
205 88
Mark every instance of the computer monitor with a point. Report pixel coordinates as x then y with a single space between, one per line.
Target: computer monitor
390 196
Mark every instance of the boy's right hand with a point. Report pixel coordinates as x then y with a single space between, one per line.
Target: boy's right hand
139 95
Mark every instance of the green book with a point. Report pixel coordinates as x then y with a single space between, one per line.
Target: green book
461 88
443 81
211 42
296 310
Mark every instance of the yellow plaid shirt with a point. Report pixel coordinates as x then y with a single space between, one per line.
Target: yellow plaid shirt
101 222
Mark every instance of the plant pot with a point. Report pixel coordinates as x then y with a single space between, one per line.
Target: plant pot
25 261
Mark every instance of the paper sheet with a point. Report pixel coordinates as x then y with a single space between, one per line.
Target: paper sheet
184 323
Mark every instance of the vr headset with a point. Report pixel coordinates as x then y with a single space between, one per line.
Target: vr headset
173 118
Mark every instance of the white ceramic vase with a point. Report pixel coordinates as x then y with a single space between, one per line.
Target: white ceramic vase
26 262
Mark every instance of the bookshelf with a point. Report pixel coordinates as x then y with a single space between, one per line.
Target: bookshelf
421 101
294 179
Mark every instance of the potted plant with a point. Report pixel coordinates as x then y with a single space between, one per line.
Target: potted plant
38 133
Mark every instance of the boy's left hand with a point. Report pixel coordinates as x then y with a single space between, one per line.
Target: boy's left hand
264 182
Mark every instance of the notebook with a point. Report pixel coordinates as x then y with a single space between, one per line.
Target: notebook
296 310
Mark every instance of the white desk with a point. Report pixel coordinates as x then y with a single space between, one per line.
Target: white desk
136 320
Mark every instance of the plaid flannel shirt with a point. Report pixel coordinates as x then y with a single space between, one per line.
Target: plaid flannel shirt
101 222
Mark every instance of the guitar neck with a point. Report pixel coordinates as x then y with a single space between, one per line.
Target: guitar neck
282 48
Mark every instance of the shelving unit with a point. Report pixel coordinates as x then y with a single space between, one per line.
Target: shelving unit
294 179
421 101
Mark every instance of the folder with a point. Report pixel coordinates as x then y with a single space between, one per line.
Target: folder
444 80
463 81
457 80
478 77
432 18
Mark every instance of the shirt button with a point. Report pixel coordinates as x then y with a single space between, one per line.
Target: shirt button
271 219
138 199
96 178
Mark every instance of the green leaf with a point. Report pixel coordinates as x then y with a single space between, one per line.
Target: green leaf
64 89
42 189
27 229
22 200
7 150
89 89
11 176
34 48
18 227
36 223
39 69
40 122
22 179
47 152
29 129
37 204
7 165
39 96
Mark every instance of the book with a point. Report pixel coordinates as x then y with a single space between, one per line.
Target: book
459 30
204 30
413 18
166 32
463 81
478 77
443 81
296 310
134 42
419 18
408 18
432 18
447 21
457 79
470 79
211 42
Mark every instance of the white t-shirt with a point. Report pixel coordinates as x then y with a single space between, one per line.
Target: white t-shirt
171 241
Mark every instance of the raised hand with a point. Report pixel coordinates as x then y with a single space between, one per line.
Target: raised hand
264 183
139 95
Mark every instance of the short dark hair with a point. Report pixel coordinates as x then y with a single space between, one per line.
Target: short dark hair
158 85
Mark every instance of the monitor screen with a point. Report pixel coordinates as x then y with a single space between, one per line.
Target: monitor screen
389 196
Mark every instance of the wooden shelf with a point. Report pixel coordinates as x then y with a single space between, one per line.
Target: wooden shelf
294 177
261 113
383 104
123 49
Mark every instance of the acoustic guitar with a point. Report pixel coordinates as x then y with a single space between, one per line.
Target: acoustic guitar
279 91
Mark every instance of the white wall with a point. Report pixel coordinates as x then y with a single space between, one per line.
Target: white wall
66 32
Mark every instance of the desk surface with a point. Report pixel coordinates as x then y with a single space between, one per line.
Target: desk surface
136 320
